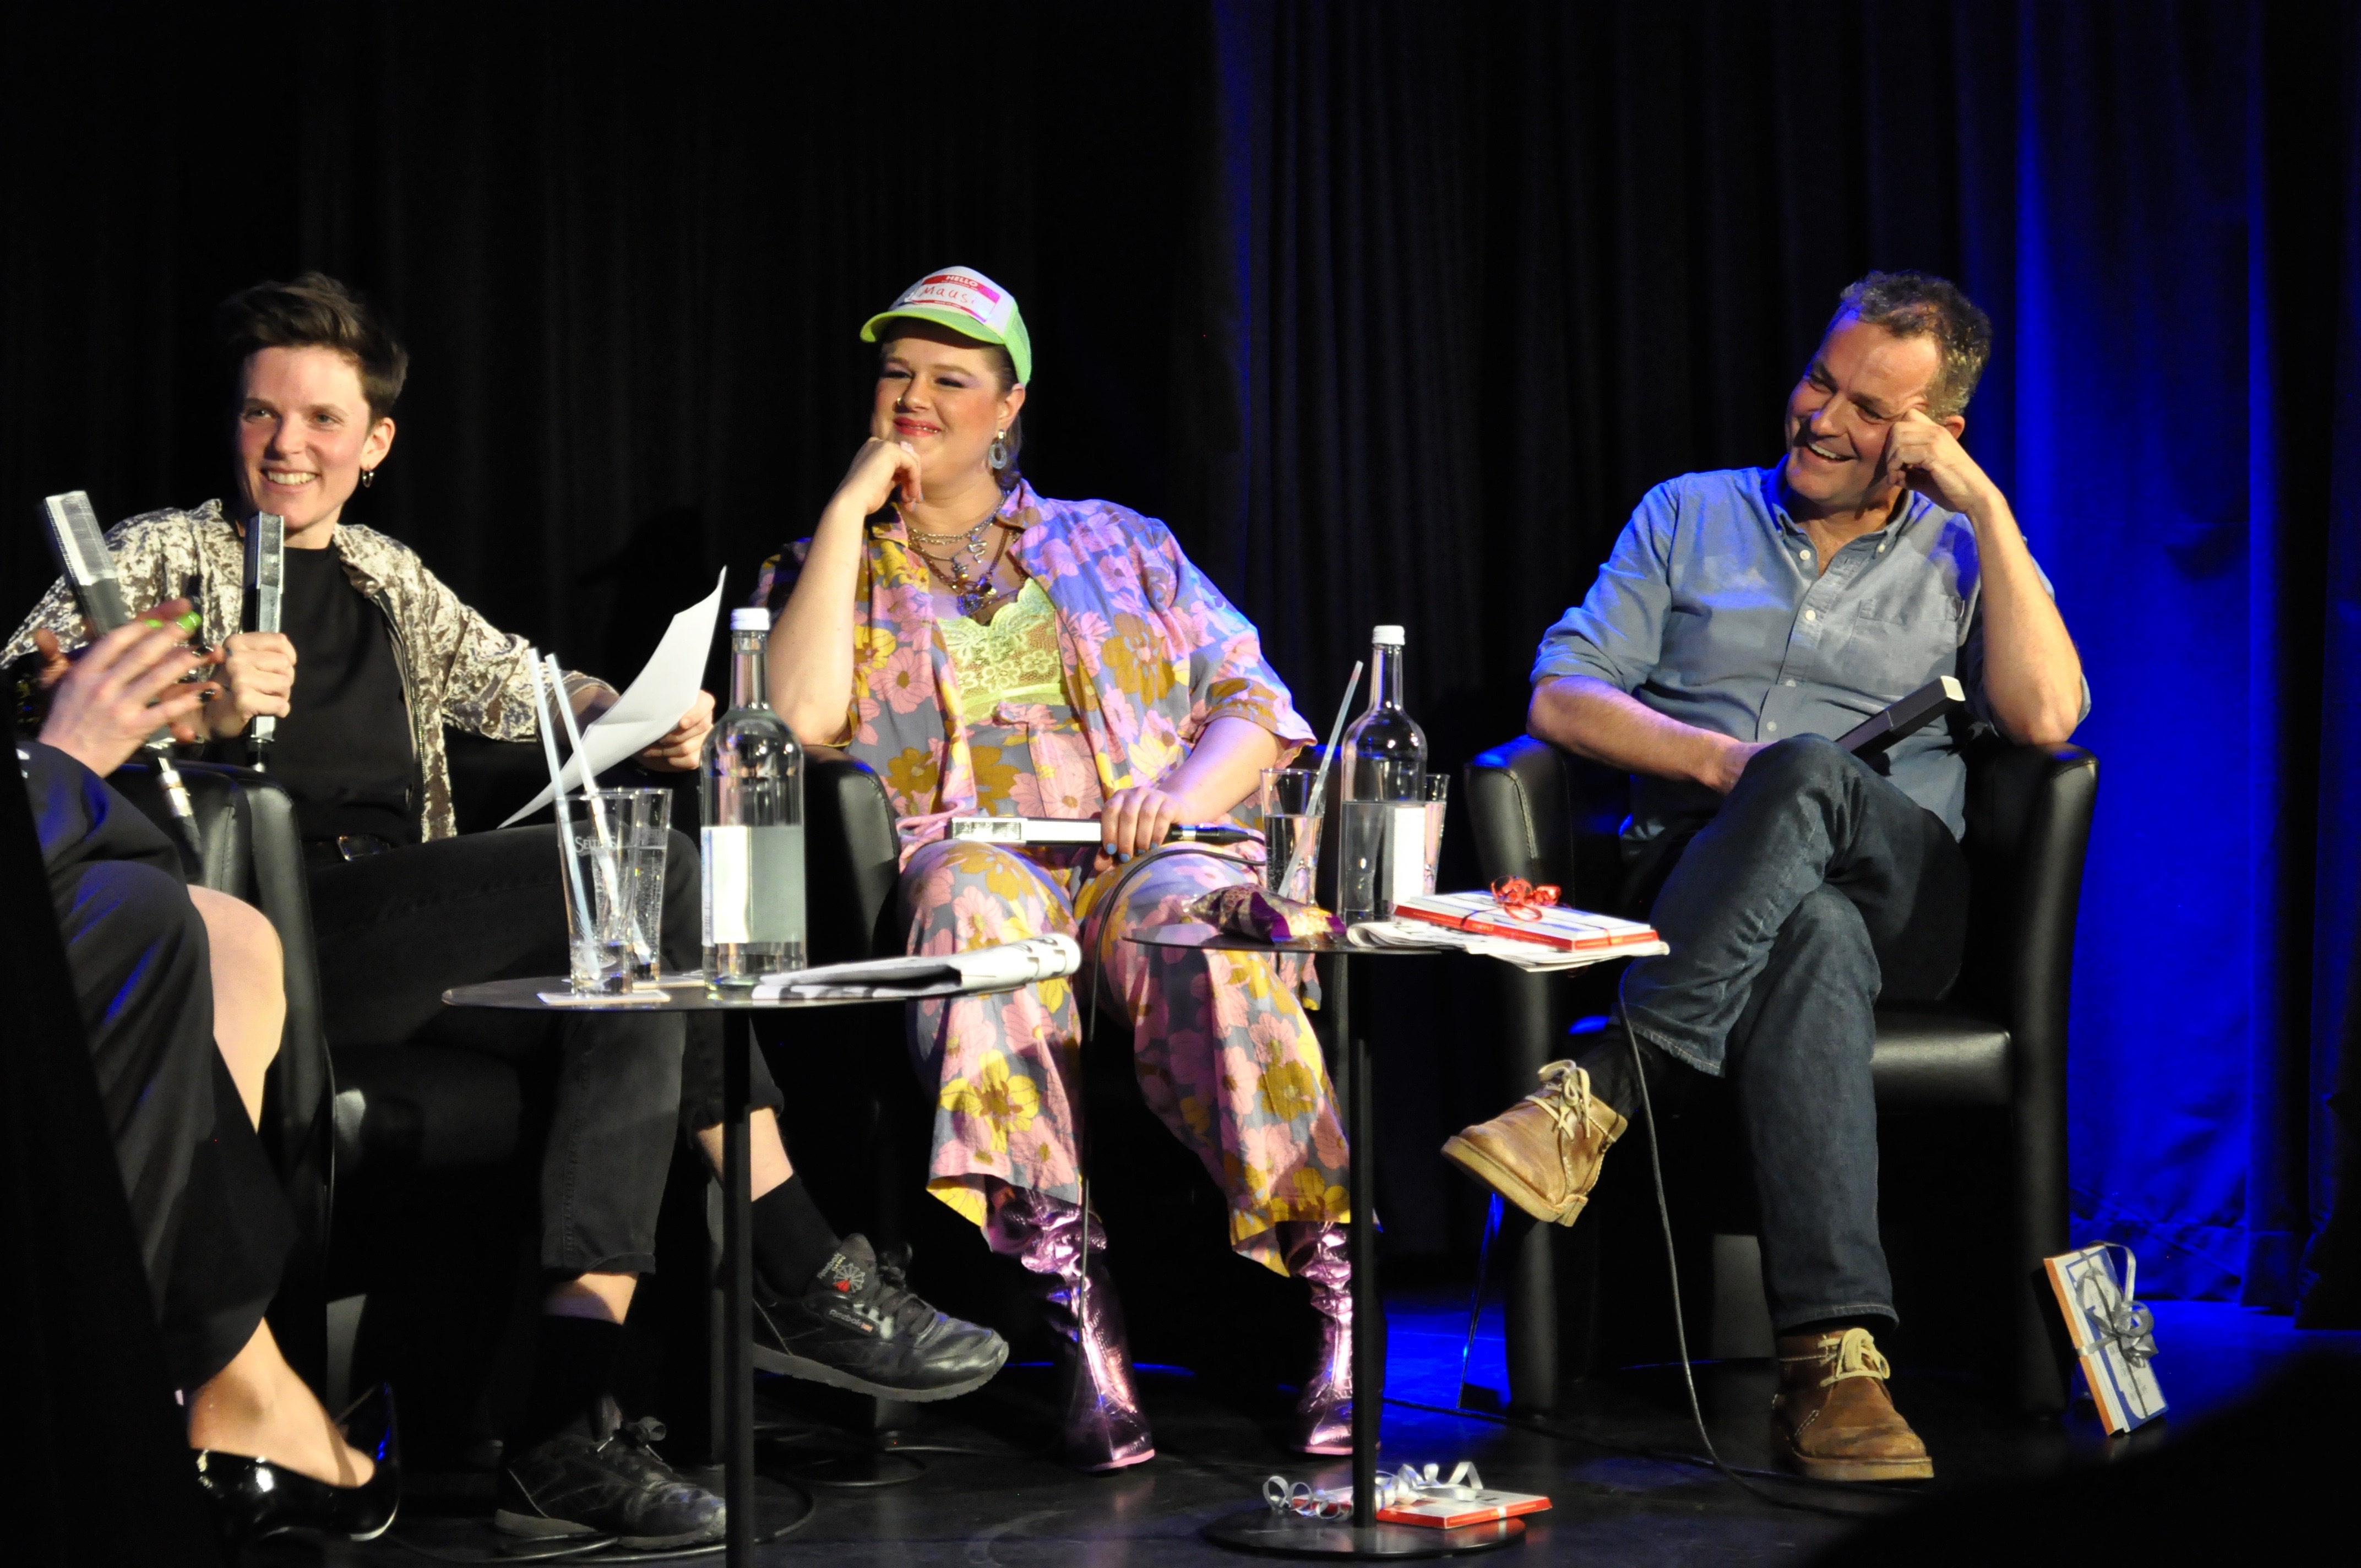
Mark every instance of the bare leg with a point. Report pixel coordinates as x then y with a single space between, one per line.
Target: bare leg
768 1167
249 990
607 1297
258 1407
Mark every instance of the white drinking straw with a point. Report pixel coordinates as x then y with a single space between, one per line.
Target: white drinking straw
1320 779
584 923
611 864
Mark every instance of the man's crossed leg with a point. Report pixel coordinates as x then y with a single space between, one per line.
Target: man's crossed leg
1818 887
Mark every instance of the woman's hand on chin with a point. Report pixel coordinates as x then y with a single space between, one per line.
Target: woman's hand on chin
878 469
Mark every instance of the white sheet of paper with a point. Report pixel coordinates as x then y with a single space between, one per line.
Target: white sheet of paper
651 705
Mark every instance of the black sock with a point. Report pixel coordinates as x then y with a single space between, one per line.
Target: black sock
792 1238
573 1370
1607 1057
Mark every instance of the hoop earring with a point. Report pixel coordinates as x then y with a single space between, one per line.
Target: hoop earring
368 477
998 456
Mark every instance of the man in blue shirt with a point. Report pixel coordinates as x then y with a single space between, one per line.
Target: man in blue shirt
1744 618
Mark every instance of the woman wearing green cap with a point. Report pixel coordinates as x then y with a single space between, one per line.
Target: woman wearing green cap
987 650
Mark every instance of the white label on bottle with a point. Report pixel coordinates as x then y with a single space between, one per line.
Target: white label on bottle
1405 853
729 863
774 901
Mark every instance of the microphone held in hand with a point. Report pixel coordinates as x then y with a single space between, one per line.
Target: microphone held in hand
1880 730
79 546
266 564
1082 830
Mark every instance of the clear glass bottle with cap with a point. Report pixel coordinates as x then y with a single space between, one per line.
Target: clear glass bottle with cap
752 840
1382 848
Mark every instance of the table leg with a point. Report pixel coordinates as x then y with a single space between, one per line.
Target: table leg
738 1292
1369 1306
1266 1532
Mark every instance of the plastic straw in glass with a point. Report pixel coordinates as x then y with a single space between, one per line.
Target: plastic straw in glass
611 865
587 927
1320 779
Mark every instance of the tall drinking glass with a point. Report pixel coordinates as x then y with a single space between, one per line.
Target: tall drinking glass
1437 788
1291 820
611 852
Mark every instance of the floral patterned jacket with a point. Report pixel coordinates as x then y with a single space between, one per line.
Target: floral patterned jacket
1153 653
456 668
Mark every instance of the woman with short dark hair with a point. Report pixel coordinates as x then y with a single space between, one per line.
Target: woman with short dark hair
376 658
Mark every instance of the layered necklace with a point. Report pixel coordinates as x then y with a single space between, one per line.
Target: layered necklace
969 580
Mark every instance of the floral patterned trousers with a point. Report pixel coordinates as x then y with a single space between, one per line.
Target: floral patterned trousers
1223 1052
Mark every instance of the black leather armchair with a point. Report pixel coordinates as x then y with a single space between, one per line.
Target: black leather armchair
1997 1043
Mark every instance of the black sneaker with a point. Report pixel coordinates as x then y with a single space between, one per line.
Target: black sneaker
578 1483
857 1326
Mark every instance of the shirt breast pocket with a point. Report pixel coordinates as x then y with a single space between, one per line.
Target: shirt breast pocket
1899 642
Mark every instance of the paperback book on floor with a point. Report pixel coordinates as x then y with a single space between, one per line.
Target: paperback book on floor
2113 1336
1440 1503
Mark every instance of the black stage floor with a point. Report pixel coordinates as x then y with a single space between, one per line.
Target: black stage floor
1619 1468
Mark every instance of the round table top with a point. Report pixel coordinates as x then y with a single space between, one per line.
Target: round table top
1196 933
688 996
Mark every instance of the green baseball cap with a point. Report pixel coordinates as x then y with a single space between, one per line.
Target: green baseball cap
969 303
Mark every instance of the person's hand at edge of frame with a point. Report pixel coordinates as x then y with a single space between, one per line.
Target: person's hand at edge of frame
106 701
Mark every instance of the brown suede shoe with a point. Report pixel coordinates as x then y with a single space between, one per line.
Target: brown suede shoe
1543 1153
1832 1417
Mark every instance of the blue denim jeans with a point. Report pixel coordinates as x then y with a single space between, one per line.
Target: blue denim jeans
1816 888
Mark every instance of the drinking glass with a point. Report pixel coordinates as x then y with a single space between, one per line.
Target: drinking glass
1438 795
611 855
1291 823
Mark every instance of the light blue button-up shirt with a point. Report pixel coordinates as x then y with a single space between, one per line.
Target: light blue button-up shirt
1713 610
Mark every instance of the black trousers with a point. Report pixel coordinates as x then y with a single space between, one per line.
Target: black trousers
212 1224
395 930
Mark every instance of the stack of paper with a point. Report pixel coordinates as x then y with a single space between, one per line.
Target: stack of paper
1002 967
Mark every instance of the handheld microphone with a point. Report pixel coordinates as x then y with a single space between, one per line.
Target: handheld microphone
266 563
79 547
1905 719
1081 830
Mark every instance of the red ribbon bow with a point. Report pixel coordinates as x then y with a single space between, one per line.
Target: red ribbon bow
1521 900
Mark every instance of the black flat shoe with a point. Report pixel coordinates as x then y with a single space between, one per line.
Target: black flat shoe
253 1497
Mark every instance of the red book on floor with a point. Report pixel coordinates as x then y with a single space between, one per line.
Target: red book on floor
1567 930
1446 1513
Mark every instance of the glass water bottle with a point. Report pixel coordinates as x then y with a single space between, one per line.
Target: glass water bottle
1384 794
753 842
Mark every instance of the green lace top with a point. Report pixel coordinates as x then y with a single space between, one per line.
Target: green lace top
1014 659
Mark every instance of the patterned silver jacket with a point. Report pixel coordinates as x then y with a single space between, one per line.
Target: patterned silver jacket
457 669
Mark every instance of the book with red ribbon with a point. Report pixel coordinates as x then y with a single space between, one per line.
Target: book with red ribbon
1439 1502
1521 912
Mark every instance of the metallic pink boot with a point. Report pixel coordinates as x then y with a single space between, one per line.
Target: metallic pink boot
1315 1254
1104 1428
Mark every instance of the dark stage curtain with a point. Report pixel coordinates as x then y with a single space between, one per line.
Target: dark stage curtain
1393 311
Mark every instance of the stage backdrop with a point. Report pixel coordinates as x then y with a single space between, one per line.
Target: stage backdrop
1393 311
